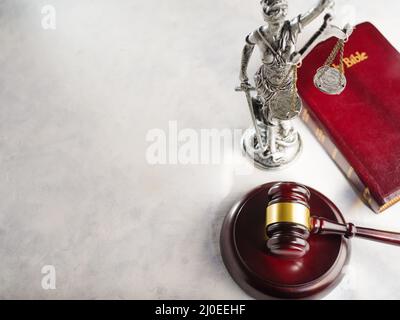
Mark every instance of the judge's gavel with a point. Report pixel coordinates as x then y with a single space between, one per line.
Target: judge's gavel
289 223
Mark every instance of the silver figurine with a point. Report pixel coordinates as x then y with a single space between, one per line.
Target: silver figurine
273 142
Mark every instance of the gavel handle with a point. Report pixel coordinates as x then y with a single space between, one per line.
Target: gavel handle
323 226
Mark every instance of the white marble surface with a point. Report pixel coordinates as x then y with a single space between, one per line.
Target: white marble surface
76 191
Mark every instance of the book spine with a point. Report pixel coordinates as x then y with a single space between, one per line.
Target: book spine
324 139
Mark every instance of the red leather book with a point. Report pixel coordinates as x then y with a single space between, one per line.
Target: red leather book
361 127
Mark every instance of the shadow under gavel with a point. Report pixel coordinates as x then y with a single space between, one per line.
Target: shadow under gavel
289 223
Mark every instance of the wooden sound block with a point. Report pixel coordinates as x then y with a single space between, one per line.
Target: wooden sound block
262 275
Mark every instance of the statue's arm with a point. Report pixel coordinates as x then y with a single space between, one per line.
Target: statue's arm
246 55
306 18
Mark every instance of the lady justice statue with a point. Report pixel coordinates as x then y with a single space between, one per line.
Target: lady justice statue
273 142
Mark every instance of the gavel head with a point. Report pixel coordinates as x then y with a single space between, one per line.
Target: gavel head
288 222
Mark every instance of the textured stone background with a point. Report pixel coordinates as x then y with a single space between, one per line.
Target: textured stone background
76 192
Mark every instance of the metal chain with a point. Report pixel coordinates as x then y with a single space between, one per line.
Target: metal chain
333 54
294 86
329 61
339 46
341 57
281 85
294 94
